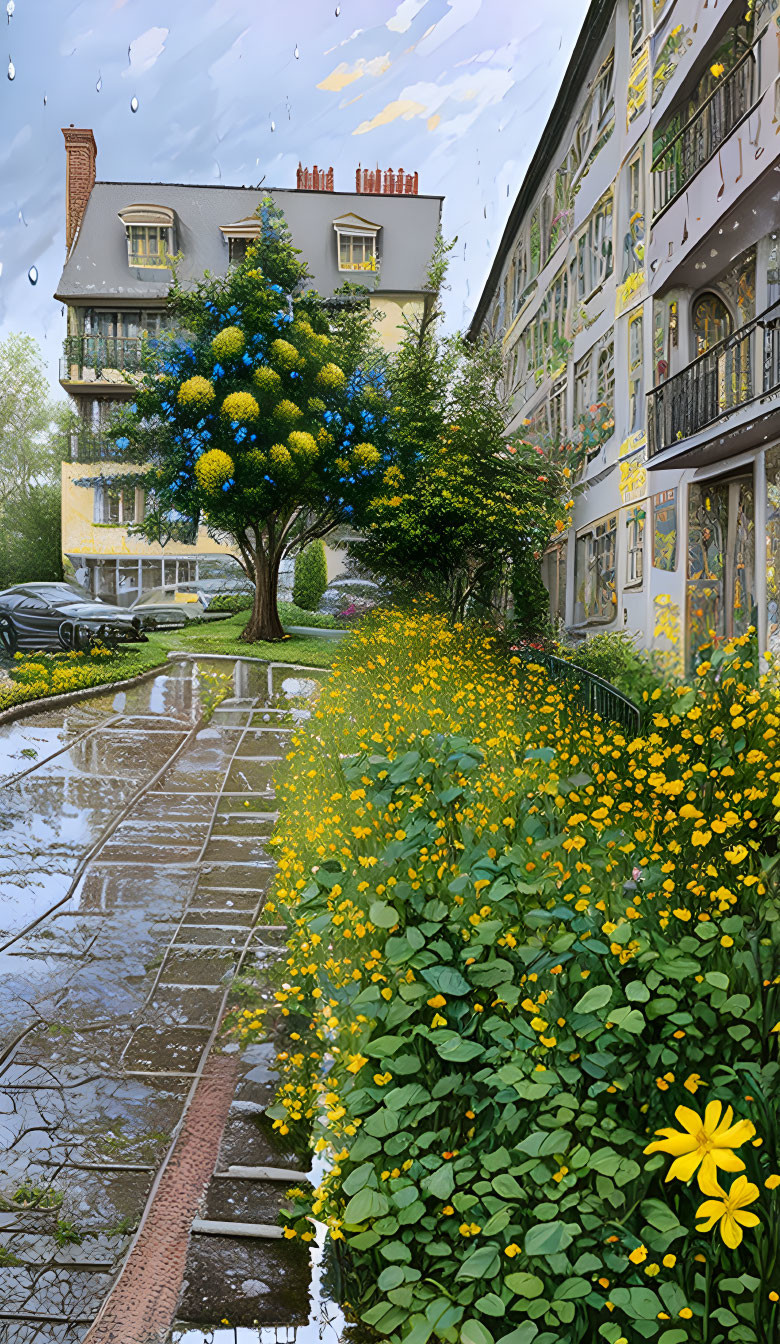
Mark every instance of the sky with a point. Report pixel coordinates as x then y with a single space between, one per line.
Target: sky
239 91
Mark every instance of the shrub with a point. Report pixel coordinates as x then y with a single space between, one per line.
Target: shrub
614 657
311 576
519 944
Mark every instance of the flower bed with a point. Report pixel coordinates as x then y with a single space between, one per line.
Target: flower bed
531 990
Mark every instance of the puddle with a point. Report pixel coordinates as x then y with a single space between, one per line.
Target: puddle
118 936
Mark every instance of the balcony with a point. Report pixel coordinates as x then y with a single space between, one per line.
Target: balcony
103 359
736 371
702 135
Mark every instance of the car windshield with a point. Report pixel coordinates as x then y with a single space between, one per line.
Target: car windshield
55 593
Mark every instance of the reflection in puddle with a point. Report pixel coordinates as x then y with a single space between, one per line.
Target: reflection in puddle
129 884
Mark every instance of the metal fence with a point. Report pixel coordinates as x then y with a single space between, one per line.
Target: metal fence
595 695
739 368
700 138
88 356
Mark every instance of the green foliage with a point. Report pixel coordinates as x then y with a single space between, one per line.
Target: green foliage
267 421
30 543
311 576
290 613
519 944
67 1234
459 504
614 657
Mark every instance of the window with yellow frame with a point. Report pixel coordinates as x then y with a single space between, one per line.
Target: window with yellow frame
636 381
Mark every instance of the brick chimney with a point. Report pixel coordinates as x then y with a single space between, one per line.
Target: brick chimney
80 160
374 182
314 179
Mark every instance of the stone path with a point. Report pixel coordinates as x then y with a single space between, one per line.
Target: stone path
129 893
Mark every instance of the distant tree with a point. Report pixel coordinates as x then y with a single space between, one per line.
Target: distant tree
461 504
311 576
30 536
268 420
33 440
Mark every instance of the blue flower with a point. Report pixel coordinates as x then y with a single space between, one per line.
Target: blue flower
218 371
123 443
246 359
294 374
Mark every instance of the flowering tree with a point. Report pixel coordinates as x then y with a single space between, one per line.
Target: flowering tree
266 420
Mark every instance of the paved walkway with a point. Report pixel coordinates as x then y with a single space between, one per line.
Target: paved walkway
131 888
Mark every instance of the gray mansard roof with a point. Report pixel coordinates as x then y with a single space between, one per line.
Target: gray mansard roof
97 267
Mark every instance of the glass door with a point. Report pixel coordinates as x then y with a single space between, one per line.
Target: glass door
721 563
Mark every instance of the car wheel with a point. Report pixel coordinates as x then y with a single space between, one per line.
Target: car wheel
83 639
8 637
67 635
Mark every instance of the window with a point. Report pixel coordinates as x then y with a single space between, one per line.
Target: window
554 577
636 382
114 504
632 224
357 251
594 381
149 245
721 562
595 573
635 546
237 250
665 530
711 322
636 23
602 93
594 249
556 411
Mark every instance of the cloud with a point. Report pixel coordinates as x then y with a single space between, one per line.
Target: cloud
460 13
144 51
345 74
400 107
480 88
407 11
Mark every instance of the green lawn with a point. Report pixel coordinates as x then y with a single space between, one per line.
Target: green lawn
38 676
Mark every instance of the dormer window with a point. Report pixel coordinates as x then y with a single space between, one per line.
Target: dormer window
356 239
150 235
239 236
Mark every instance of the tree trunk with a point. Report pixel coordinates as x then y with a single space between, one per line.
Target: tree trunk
264 621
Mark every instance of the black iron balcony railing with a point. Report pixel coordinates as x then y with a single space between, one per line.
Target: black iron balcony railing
86 358
743 366
699 139
86 446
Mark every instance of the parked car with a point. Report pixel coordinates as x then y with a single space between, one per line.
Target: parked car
62 616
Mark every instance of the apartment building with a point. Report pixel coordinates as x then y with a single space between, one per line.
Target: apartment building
120 237
636 294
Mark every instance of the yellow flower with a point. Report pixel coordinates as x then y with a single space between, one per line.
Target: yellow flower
772 1182
707 1141
638 1254
196 392
213 469
729 1207
240 406
228 343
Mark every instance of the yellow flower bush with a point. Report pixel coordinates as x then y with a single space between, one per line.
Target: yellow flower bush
285 355
213 469
302 444
287 411
228 343
267 380
365 455
240 406
197 393
280 456
502 934
331 377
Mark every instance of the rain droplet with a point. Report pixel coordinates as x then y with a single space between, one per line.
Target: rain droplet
45 100
338 10
32 275
99 84
296 53
1 268
9 9
11 69
273 125
133 104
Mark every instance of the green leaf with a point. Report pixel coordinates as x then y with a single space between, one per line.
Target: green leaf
441 1182
383 915
392 1277
507 1187
357 1178
572 1288
446 980
474 1332
365 1204
482 1263
524 1334
547 1238
458 1051
525 1285
397 1251
420 1331
717 979
675 1336
637 991
490 1305
593 999
628 1019
659 1215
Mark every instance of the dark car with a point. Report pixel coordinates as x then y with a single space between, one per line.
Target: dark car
55 616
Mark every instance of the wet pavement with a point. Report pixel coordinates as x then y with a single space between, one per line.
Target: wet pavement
132 877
